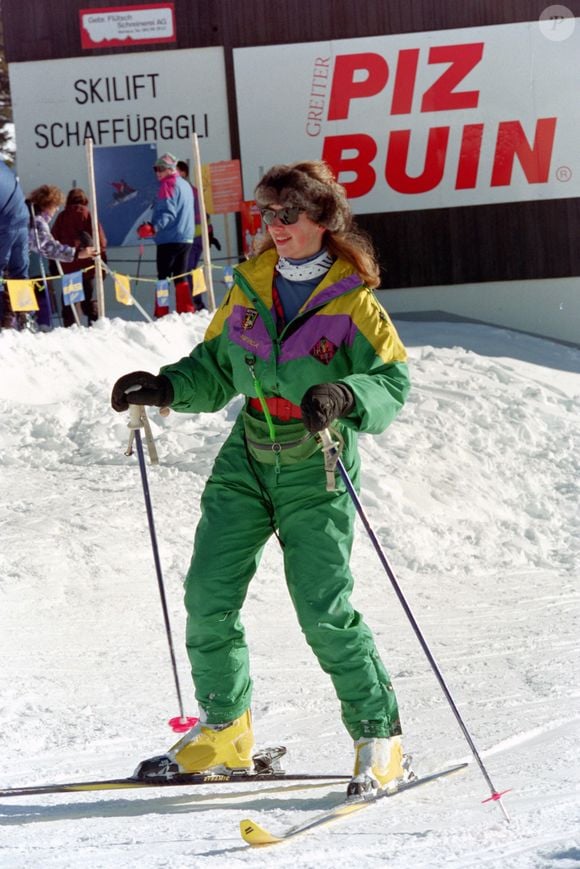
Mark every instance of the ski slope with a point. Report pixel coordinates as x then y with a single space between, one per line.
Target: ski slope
474 494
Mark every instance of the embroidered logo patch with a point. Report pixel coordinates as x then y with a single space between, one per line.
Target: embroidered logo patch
324 351
250 317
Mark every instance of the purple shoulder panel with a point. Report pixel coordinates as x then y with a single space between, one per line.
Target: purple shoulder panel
334 290
338 329
247 329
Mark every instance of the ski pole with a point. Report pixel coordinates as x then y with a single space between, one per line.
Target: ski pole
141 251
329 446
137 421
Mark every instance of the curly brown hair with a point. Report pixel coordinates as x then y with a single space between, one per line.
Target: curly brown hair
311 186
45 197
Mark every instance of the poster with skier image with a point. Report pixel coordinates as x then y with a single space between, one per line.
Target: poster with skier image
126 188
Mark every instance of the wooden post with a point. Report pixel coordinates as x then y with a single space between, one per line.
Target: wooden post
203 216
95 220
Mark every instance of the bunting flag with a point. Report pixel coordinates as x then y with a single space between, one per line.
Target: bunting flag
72 288
198 282
228 276
22 296
123 289
162 293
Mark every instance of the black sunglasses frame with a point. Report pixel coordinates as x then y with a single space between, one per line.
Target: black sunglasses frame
287 216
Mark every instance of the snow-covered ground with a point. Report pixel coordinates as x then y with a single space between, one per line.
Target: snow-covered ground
473 492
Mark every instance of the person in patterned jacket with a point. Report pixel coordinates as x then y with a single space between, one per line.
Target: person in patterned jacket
303 338
43 203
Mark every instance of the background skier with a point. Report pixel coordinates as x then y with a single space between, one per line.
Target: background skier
172 228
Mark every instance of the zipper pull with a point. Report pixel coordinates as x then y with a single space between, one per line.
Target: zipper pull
250 361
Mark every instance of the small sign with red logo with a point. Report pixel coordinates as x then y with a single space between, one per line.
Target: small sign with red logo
120 26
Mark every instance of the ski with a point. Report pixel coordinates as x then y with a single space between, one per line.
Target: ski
195 779
267 768
256 835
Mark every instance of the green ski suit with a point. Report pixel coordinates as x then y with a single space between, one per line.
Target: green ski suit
340 334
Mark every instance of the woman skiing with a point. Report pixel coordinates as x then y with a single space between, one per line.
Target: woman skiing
302 336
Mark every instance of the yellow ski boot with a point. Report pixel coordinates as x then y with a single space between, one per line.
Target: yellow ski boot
378 763
209 748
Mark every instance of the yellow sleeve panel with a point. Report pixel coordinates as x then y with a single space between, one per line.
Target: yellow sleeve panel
372 321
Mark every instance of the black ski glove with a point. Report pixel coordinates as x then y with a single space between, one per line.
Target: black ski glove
153 390
324 403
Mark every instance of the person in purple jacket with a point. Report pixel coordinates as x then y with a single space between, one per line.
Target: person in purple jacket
172 228
13 238
43 203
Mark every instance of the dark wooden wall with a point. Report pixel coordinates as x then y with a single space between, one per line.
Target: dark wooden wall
48 29
417 248
513 241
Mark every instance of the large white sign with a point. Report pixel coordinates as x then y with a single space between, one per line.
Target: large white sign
159 97
420 120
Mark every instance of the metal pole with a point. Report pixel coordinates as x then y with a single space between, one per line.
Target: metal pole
136 422
203 216
96 235
330 446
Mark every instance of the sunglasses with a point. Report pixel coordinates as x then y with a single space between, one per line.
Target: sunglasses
286 216
160 168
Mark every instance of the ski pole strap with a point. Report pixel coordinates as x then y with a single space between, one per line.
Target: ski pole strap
138 420
151 448
332 450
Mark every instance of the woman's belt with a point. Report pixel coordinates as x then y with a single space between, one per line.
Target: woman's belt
279 407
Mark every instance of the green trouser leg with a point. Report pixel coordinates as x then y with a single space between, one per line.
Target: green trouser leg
229 539
316 528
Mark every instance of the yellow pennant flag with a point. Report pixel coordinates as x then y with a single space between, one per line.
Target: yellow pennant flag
22 296
198 282
123 289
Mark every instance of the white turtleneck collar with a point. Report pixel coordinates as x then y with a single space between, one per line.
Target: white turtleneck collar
305 269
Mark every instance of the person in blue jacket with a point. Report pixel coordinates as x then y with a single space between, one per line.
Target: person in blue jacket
14 256
172 227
